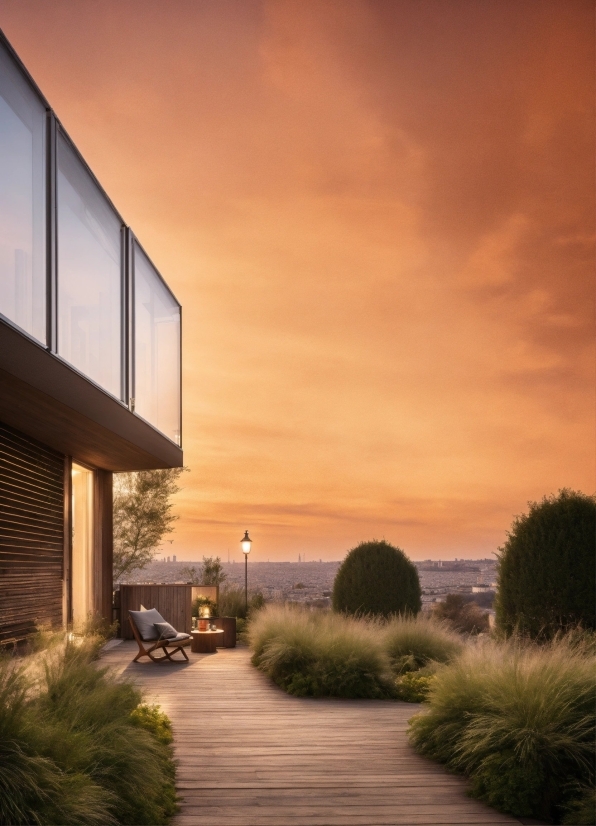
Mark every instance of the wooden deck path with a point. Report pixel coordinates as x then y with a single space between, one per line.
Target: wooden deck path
250 755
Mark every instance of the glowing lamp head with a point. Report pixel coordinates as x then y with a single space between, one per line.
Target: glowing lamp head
245 543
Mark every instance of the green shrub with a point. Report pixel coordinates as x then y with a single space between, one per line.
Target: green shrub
462 615
519 720
413 642
547 567
151 718
76 749
376 578
204 602
413 687
581 809
320 654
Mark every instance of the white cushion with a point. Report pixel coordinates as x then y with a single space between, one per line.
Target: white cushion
145 622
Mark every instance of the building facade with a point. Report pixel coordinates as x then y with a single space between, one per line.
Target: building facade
90 367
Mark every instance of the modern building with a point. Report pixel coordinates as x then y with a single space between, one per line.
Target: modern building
90 367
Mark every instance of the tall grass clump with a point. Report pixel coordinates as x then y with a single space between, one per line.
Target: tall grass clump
519 720
232 602
78 747
320 654
413 642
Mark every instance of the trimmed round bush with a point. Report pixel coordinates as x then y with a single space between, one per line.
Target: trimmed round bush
547 567
376 578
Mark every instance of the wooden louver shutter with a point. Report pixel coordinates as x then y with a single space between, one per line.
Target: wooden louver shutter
31 535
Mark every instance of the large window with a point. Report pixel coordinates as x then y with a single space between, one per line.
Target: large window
157 349
22 202
89 274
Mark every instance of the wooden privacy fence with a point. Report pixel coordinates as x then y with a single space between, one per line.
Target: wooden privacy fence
174 603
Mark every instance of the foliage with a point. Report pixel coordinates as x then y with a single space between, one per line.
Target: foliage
317 654
376 578
463 615
320 654
75 749
142 516
191 574
212 572
204 602
483 599
519 720
232 602
151 718
413 687
547 567
413 642
581 810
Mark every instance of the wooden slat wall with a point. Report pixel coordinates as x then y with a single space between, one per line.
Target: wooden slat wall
31 535
174 603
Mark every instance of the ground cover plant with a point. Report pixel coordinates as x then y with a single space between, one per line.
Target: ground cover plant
519 720
313 653
78 746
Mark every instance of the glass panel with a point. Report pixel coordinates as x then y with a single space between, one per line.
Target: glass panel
157 350
82 544
22 201
89 296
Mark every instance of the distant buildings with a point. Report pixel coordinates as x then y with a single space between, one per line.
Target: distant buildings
278 581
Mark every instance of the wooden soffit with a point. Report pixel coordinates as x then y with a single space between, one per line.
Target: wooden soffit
42 396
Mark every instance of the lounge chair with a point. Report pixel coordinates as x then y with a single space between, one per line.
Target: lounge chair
151 637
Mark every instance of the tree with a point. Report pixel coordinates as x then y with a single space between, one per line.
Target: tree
212 572
192 575
547 566
376 578
142 516
462 614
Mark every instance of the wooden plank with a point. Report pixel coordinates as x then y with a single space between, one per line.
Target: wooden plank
250 755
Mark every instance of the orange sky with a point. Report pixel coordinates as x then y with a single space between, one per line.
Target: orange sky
379 218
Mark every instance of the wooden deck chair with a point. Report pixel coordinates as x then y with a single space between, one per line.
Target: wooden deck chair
148 646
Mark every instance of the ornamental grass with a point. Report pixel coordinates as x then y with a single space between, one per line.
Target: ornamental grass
320 654
327 654
519 720
78 747
413 642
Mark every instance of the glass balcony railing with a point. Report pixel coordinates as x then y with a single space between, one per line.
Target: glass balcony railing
72 275
156 348
22 201
89 274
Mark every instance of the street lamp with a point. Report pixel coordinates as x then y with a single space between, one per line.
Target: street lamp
245 544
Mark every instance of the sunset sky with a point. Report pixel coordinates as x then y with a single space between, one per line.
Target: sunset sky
378 216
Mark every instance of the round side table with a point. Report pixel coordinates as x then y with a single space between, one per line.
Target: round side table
206 642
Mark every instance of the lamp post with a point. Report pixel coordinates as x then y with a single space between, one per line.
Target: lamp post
245 544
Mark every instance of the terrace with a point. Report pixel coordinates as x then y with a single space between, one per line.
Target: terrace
250 754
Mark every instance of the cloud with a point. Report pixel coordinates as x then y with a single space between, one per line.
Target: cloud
379 218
